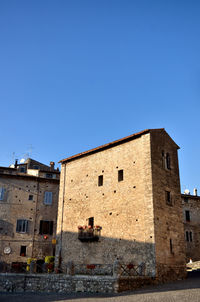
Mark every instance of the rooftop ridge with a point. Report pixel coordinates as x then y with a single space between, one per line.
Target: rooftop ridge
108 145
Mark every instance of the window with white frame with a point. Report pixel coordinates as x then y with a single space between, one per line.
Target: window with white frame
22 226
2 193
48 198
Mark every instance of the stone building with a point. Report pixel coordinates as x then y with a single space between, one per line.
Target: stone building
191 220
28 210
122 202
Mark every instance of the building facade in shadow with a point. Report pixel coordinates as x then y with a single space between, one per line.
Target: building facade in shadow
191 220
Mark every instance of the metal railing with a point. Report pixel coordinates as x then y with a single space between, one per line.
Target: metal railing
93 269
88 235
132 269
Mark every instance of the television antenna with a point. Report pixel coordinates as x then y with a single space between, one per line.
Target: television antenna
29 151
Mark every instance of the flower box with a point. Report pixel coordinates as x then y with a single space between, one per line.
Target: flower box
91 266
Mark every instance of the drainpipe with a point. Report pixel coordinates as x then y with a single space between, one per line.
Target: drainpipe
61 231
36 206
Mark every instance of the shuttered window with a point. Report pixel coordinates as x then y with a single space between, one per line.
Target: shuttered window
46 227
48 198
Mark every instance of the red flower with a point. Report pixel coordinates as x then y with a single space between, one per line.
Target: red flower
130 266
91 266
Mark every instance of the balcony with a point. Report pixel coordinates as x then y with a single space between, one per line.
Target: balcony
88 233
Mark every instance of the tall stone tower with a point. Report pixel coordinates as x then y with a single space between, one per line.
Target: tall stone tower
122 201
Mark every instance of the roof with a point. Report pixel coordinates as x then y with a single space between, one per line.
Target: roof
50 171
32 162
190 196
109 145
8 168
29 177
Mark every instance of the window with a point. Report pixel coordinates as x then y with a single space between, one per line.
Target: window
188 236
163 159
120 175
46 227
48 198
36 167
171 246
23 251
187 215
49 175
100 180
186 199
30 197
22 226
167 161
22 170
168 198
91 221
2 193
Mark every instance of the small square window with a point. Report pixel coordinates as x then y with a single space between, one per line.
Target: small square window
100 180
120 175
186 199
30 197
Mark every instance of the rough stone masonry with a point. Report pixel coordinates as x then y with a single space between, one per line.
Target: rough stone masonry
130 190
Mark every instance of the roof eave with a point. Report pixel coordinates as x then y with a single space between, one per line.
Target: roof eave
106 146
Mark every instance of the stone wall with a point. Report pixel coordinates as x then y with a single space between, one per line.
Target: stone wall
138 225
169 233
124 209
68 284
191 203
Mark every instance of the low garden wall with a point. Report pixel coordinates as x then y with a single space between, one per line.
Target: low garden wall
69 284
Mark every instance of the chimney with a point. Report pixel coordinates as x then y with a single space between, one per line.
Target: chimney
16 162
52 165
195 191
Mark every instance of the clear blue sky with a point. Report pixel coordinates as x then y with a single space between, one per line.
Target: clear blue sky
78 74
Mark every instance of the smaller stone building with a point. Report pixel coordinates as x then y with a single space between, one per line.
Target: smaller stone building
28 211
191 220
